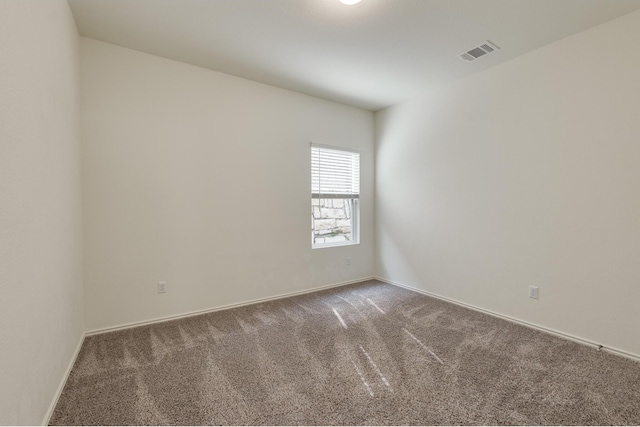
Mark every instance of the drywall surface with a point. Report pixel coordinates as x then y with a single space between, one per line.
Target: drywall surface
40 210
202 180
525 174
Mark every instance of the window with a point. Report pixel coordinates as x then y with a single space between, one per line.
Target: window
335 192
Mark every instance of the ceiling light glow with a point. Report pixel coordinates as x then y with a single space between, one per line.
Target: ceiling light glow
349 2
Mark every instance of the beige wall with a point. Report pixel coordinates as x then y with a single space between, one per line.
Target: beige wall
202 180
526 174
40 208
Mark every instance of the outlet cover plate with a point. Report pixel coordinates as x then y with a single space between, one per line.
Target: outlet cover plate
162 287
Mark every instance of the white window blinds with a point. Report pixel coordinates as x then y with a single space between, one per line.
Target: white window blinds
335 173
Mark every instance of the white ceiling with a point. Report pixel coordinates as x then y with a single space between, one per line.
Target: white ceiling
370 55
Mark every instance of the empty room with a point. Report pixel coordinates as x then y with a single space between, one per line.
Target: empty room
319 212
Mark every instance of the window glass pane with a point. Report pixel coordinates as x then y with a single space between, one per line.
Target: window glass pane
332 221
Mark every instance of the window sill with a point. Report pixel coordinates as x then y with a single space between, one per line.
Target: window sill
333 245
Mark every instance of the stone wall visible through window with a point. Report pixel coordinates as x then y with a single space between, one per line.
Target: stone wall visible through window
332 220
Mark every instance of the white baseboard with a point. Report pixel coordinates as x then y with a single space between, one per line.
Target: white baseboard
518 321
223 307
54 402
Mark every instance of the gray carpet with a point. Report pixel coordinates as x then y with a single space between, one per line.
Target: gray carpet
368 353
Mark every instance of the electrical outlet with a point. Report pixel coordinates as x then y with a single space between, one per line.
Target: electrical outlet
533 292
348 261
162 287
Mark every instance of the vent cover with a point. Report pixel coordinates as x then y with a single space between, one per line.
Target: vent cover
478 51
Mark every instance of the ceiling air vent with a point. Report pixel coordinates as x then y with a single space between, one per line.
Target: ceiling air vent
478 51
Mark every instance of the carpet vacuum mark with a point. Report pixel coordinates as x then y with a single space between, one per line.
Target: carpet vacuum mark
364 354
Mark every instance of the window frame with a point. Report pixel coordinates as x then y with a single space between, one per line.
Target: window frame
355 205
